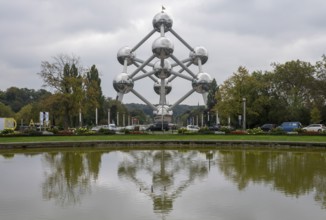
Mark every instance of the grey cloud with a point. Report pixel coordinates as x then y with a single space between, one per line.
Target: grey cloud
251 33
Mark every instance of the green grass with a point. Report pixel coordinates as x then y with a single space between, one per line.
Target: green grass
194 137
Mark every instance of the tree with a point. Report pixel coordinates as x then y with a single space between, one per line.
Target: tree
25 115
5 111
231 93
93 95
16 98
293 83
211 99
65 76
315 115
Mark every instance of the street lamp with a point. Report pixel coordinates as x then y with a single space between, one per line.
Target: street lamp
244 114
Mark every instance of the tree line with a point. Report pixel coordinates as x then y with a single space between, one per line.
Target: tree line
76 91
291 91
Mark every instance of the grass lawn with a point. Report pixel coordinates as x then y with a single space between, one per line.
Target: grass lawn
194 137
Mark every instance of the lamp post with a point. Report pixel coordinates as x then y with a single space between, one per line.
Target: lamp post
244 114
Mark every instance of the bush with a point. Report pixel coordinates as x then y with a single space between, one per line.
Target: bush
7 131
182 130
277 131
239 132
225 129
106 131
205 130
82 130
31 131
66 132
255 131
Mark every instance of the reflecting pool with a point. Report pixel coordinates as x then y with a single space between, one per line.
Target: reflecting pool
176 184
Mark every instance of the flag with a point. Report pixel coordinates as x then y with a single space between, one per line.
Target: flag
163 8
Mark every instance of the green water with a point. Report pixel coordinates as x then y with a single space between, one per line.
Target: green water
98 183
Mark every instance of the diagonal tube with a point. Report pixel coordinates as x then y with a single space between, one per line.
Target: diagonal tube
143 99
142 61
182 40
144 75
142 66
183 66
143 40
181 99
144 71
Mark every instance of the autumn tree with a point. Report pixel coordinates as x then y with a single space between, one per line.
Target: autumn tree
65 75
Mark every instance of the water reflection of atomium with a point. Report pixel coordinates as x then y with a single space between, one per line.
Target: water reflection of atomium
162 72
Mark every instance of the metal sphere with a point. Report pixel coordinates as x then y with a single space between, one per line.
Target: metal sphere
157 88
162 18
199 53
202 83
122 83
162 47
125 53
164 71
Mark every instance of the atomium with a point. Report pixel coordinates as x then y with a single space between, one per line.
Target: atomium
163 67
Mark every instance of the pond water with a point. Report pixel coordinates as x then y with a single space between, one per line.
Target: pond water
182 184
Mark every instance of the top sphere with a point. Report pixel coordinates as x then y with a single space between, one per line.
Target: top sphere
162 18
125 53
199 53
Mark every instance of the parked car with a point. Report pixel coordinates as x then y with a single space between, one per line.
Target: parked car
268 127
111 127
290 126
315 128
214 127
158 126
193 128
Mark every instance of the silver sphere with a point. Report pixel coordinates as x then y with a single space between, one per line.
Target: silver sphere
162 47
162 72
125 53
122 83
157 88
202 83
199 53
162 19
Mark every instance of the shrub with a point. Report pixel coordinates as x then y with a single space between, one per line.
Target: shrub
239 132
31 131
255 131
7 131
66 132
82 130
205 130
277 131
182 130
106 131
225 129
299 130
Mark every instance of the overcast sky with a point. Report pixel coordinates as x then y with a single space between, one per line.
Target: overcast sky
250 33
